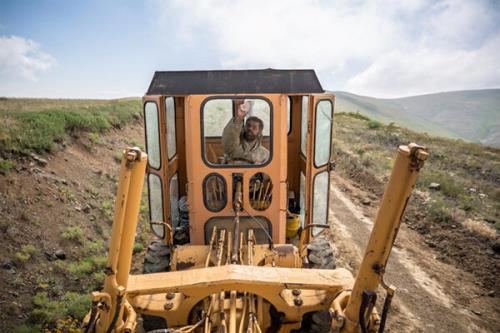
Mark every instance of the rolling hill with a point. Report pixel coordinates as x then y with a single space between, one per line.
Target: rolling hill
471 115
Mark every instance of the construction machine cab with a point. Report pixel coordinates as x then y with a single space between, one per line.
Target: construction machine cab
187 115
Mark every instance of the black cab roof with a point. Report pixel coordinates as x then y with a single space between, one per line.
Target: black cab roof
261 81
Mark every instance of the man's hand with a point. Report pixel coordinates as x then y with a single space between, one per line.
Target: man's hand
242 111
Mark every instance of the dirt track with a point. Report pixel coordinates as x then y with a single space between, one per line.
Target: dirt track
431 296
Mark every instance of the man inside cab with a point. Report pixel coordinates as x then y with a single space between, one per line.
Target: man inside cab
242 140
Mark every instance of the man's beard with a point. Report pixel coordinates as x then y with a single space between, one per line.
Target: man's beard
249 136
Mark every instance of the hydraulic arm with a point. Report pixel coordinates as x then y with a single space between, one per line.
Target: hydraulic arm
357 313
111 311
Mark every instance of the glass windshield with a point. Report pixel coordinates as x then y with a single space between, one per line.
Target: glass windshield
237 131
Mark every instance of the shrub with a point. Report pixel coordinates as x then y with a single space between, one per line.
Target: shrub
355 115
73 233
439 211
94 247
70 304
94 137
450 185
6 166
138 247
86 266
373 124
107 210
26 253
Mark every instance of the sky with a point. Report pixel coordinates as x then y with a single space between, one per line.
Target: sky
111 48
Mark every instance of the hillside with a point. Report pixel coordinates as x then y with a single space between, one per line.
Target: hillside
472 115
56 205
466 201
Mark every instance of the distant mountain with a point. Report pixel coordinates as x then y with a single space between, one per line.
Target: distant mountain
472 115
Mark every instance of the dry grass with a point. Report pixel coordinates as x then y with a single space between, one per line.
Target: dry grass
480 228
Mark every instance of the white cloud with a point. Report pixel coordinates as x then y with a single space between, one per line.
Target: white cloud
22 58
400 73
383 48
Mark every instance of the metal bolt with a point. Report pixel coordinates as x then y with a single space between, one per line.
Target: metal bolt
296 292
298 301
168 306
170 295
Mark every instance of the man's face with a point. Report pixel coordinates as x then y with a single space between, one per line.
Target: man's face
252 130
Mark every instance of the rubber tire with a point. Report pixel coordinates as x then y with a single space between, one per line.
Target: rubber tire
320 255
157 260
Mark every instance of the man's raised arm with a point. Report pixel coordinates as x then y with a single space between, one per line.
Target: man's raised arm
232 131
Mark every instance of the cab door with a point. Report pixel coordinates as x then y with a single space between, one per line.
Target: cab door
319 159
162 177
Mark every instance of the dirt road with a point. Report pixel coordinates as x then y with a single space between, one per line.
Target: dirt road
431 296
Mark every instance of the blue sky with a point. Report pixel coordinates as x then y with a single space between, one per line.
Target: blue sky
108 48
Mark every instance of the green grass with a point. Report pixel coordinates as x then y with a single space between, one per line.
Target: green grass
440 211
26 253
73 234
107 210
94 138
39 125
70 304
450 185
373 124
94 247
86 266
138 247
6 166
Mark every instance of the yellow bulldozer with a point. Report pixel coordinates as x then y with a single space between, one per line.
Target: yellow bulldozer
238 167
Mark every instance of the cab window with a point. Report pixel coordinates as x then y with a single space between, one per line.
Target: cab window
303 125
156 204
320 200
236 131
323 135
152 134
170 116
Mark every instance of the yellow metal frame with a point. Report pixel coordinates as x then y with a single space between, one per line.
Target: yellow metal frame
243 291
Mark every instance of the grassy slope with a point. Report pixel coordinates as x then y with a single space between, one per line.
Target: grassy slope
28 125
457 165
461 221
84 143
470 115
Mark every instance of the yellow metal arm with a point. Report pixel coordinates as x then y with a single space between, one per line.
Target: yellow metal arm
408 162
112 312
